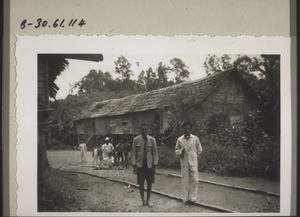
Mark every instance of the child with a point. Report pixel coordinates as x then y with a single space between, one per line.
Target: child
126 148
119 153
96 155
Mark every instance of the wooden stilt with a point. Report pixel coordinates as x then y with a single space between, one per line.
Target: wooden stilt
89 138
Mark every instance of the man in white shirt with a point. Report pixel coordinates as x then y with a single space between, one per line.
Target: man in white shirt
188 148
82 147
107 147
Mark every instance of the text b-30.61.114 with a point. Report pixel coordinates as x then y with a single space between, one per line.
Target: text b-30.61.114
58 23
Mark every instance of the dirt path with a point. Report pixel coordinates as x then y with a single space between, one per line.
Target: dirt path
120 199
98 195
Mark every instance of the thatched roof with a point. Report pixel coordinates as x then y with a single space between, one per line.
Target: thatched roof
189 92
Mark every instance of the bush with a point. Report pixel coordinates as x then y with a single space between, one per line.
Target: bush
234 159
244 151
167 157
220 159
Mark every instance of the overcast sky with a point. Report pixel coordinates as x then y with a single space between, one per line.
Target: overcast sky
78 68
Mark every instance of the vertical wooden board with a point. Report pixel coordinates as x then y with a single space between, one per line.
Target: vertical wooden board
115 125
135 121
88 126
101 126
79 128
127 124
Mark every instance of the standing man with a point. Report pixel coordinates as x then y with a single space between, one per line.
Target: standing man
188 148
144 160
82 147
107 147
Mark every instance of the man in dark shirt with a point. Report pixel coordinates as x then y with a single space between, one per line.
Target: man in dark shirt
144 160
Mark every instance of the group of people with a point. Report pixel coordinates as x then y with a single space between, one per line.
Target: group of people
104 157
144 160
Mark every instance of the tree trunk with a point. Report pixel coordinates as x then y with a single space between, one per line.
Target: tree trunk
43 164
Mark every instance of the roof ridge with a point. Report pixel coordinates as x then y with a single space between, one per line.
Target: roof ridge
172 86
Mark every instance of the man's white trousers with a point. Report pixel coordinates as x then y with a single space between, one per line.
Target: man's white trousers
189 181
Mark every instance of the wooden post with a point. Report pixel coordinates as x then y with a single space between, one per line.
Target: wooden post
78 140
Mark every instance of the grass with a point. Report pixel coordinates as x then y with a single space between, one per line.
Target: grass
56 192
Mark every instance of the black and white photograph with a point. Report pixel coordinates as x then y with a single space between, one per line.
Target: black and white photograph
147 124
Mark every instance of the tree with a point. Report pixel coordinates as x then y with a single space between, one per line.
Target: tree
162 75
180 70
93 81
122 67
214 64
97 81
110 83
151 82
141 81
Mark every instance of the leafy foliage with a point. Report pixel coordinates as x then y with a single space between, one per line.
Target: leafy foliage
97 81
167 158
162 76
122 67
180 70
246 151
163 72
56 65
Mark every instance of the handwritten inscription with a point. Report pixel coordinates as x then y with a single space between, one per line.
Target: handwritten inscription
58 23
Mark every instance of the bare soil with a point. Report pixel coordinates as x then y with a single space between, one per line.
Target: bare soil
98 195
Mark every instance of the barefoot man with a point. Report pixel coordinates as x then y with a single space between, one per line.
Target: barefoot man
82 147
188 148
144 160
